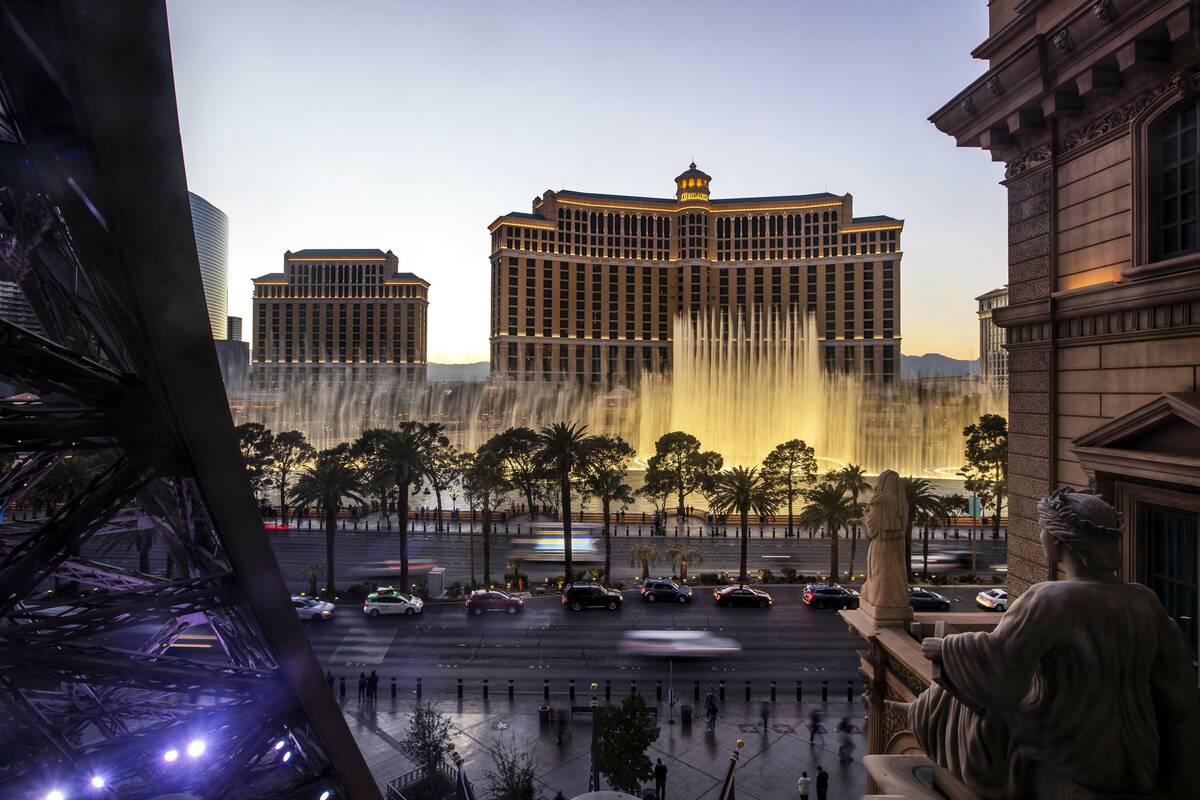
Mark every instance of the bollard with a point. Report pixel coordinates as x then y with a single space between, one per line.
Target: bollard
607 690
342 687
546 689
393 687
485 688
510 688
696 691
824 691
633 687
849 691
571 689
460 688
799 691
747 691
722 691
772 691
658 689
418 687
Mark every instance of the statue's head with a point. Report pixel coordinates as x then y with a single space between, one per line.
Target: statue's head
1082 524
889 505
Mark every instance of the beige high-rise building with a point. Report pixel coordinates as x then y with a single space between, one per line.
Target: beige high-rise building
341 307
589 286
993 358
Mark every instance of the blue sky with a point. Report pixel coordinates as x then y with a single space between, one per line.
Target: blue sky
411 126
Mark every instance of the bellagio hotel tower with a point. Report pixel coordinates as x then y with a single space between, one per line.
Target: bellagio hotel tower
587 286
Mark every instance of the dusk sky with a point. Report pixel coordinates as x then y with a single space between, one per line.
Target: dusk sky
411 126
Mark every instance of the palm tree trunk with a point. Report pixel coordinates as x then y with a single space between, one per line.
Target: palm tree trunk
833 552
437 526
925 550
742 577
402 509
853 552
645 570
605 507
683 569
568 563
529 499
487 545
330 532
144 554
471 546
996 519
283 498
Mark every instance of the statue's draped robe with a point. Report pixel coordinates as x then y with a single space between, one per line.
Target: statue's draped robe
887 574
1073 686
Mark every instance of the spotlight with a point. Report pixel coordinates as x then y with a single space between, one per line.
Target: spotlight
279 745
287 756
325 795
195 748
97 782
171 756
55 794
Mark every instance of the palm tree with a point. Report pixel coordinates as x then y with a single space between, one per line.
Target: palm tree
922 502
828 506
853 478
684 554
929 515
604 478
562 451
330 479
141 540
401 457
742 490
311 573
645 555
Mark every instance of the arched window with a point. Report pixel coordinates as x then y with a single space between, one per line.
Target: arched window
1173 182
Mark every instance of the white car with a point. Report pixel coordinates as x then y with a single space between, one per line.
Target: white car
992 599
678 644
311 608
392 603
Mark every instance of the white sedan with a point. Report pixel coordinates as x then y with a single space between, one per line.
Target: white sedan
992 599
311 608
392 603
678 644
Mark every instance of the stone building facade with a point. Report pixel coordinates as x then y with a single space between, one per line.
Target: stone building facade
589 287
331 307
993 357
1093 106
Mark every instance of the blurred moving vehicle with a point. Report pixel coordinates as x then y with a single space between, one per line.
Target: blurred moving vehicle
992 599
655 589
830 595
389 601
579 596
545 544
390 569
678 644
732 596
927 600
482 600
311 608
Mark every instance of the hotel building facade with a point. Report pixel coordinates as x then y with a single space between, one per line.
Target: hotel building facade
588 286
347 307
993 358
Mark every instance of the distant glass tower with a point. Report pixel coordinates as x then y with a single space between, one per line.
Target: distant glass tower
212 247
233 330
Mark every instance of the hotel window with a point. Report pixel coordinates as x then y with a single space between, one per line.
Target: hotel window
1173 206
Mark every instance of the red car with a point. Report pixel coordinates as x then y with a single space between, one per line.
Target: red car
483 600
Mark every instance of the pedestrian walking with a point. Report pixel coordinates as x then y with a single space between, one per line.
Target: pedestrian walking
822 784
362 686
710 708
804 785
660 780
372 686
765 710
814 725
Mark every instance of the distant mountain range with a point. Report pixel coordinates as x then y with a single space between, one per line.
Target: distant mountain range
936 365
926 366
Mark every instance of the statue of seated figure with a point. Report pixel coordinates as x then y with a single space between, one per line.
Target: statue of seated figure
1084 690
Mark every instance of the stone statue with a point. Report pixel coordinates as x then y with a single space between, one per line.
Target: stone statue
885 591
1084 689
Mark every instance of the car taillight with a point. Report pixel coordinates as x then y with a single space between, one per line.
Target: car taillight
564 599
365 602
808 596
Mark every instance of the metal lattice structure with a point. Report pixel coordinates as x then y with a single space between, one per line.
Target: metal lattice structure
95 229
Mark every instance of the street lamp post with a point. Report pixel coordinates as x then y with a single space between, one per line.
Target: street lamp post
594 782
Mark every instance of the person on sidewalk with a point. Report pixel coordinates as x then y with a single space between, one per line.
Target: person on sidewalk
814 726
372 686
804 785
710 708
660 780
362 686
822 784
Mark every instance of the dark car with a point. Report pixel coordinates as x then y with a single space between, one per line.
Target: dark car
830 595
483 600
665 589
579 596
925 600
741 596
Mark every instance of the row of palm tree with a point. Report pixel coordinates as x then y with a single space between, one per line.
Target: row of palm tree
644 556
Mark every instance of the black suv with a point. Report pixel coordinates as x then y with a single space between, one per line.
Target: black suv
579 596
665 589
830 595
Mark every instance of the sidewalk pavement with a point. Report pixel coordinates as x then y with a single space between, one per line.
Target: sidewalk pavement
696 761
